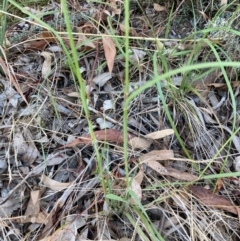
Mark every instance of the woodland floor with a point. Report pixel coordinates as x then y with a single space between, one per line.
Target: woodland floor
176 178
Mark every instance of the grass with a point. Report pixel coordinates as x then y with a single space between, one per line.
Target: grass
157 192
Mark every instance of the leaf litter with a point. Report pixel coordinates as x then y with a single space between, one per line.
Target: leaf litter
50 183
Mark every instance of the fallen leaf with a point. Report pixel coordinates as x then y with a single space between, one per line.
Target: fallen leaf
136 55
158 7
49 36
157 155
219 185
110 135
102 78
132 31
114 7
84 41
54 185
109 52
156 166
136 186
207 198
223 2
33 214
202 84
139 143
160 134
46 68
180 175
56 158
36 45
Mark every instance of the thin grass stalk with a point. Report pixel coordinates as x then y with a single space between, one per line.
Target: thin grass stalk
233 101
76 71
159 88
158 78
137 228
126 91
3 22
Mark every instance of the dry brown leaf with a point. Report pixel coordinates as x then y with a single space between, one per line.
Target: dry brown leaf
157 155
132 31
156 166
48 36
219 185
168 171
139 143
180 175
102 78
109 52
36 45
84 41
223 86
207 198
160 134
202 84
33 214
158 7
223 2
46 68
110 135
54 185
136 188
114 7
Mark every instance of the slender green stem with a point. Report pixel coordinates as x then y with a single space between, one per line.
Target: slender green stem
126 90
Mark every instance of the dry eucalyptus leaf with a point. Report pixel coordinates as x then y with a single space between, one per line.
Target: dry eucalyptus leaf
54 185
136 55
209 199
102 78
46 68
110 135
114 7
139 143
73 94
136 185
160 155
132 31
36 45
109 52
136 188
156 166
84 41
180 175
56 158
33 214
158 7
160 134
223 2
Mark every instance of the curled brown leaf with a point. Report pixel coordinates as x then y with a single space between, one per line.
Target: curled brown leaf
209 199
